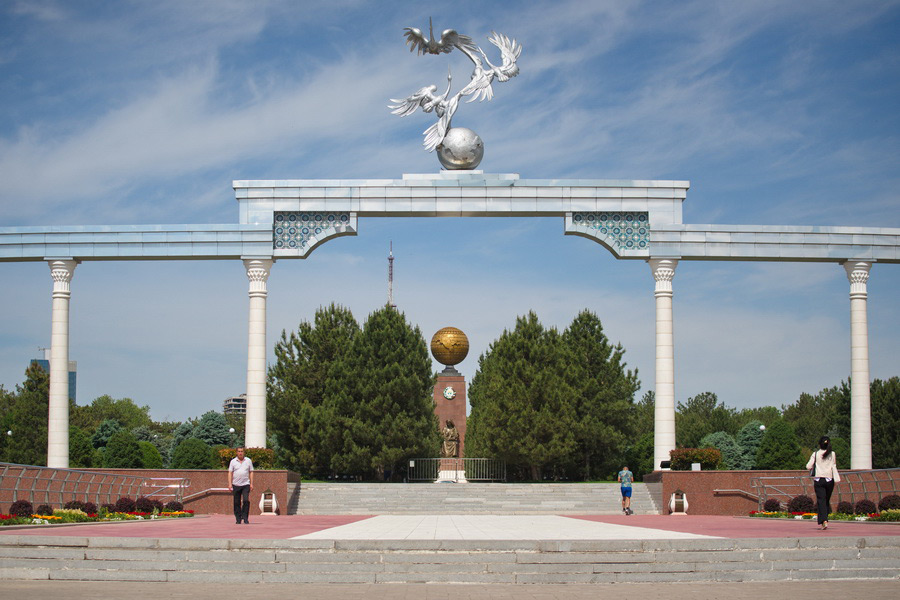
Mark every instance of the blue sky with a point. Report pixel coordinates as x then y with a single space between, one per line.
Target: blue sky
137 112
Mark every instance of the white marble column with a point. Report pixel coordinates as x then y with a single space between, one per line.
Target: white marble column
58 416
258 274
860 404
664 411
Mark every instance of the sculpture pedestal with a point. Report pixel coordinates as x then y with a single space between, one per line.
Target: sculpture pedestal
452 409
451 469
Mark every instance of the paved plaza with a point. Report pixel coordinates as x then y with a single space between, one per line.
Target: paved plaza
468 527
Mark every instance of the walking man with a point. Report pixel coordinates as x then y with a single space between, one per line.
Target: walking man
625 478
240 482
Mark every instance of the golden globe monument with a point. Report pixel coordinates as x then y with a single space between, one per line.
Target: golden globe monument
449 346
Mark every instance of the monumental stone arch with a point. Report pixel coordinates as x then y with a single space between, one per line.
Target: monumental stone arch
287 219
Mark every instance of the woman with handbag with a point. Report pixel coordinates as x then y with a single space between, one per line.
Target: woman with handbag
822 467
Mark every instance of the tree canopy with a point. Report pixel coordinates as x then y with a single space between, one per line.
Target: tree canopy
296 390
552 405
345 400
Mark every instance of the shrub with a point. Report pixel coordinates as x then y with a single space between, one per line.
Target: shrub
109 507
90 508
157 505
44 509
264 458
75 504
845 508
891 502
865 507
21 508
888 515
144 505
193 453
174 506
682 458
124 504
772 505
801 504
123 452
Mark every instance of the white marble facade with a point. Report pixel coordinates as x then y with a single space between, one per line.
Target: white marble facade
634 220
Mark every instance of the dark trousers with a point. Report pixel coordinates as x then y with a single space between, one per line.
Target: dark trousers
241 495
823 490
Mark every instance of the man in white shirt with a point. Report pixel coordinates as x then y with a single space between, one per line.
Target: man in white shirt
240 482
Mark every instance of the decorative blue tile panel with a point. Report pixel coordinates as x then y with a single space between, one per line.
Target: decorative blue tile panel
624 230
294 230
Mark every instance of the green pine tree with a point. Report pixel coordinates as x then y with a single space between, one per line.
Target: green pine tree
296 389
28 419
523 405
212 429
104 432
604 395
378 411
885 396
732 457
748 440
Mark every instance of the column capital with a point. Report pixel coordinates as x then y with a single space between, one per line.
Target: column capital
858 275
62 271
258 273
663 273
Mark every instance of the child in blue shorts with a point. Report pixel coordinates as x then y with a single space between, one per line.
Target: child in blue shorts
625 478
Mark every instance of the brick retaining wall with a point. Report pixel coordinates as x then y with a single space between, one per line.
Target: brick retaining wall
703 499
212 502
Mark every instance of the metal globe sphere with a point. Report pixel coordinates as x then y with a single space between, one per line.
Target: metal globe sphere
449 346
462 148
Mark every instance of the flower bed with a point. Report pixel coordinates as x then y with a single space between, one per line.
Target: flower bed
77 516
887 515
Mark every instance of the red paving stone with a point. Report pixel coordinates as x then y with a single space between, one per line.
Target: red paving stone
746 527
203 526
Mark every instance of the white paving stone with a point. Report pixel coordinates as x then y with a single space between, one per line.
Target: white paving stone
490 527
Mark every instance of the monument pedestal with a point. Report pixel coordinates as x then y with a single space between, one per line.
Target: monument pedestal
450 403
451 469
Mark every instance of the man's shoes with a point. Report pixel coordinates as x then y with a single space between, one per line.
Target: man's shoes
246 522
237 522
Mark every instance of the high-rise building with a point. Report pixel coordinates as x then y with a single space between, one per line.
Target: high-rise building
73 370
236 405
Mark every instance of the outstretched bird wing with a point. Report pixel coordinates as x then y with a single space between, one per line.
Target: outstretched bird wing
510 51
408 106
451 39
415 40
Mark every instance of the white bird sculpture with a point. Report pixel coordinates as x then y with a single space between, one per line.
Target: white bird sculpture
479 86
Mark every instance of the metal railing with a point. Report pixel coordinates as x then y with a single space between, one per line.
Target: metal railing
457 469
853 487
47 485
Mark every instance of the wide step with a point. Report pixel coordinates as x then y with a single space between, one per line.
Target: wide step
457 561
472 498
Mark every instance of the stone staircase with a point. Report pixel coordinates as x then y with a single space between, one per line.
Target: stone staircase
457 561
464 498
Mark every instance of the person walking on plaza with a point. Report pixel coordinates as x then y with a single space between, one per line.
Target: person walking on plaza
625 478
240 482
823 467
